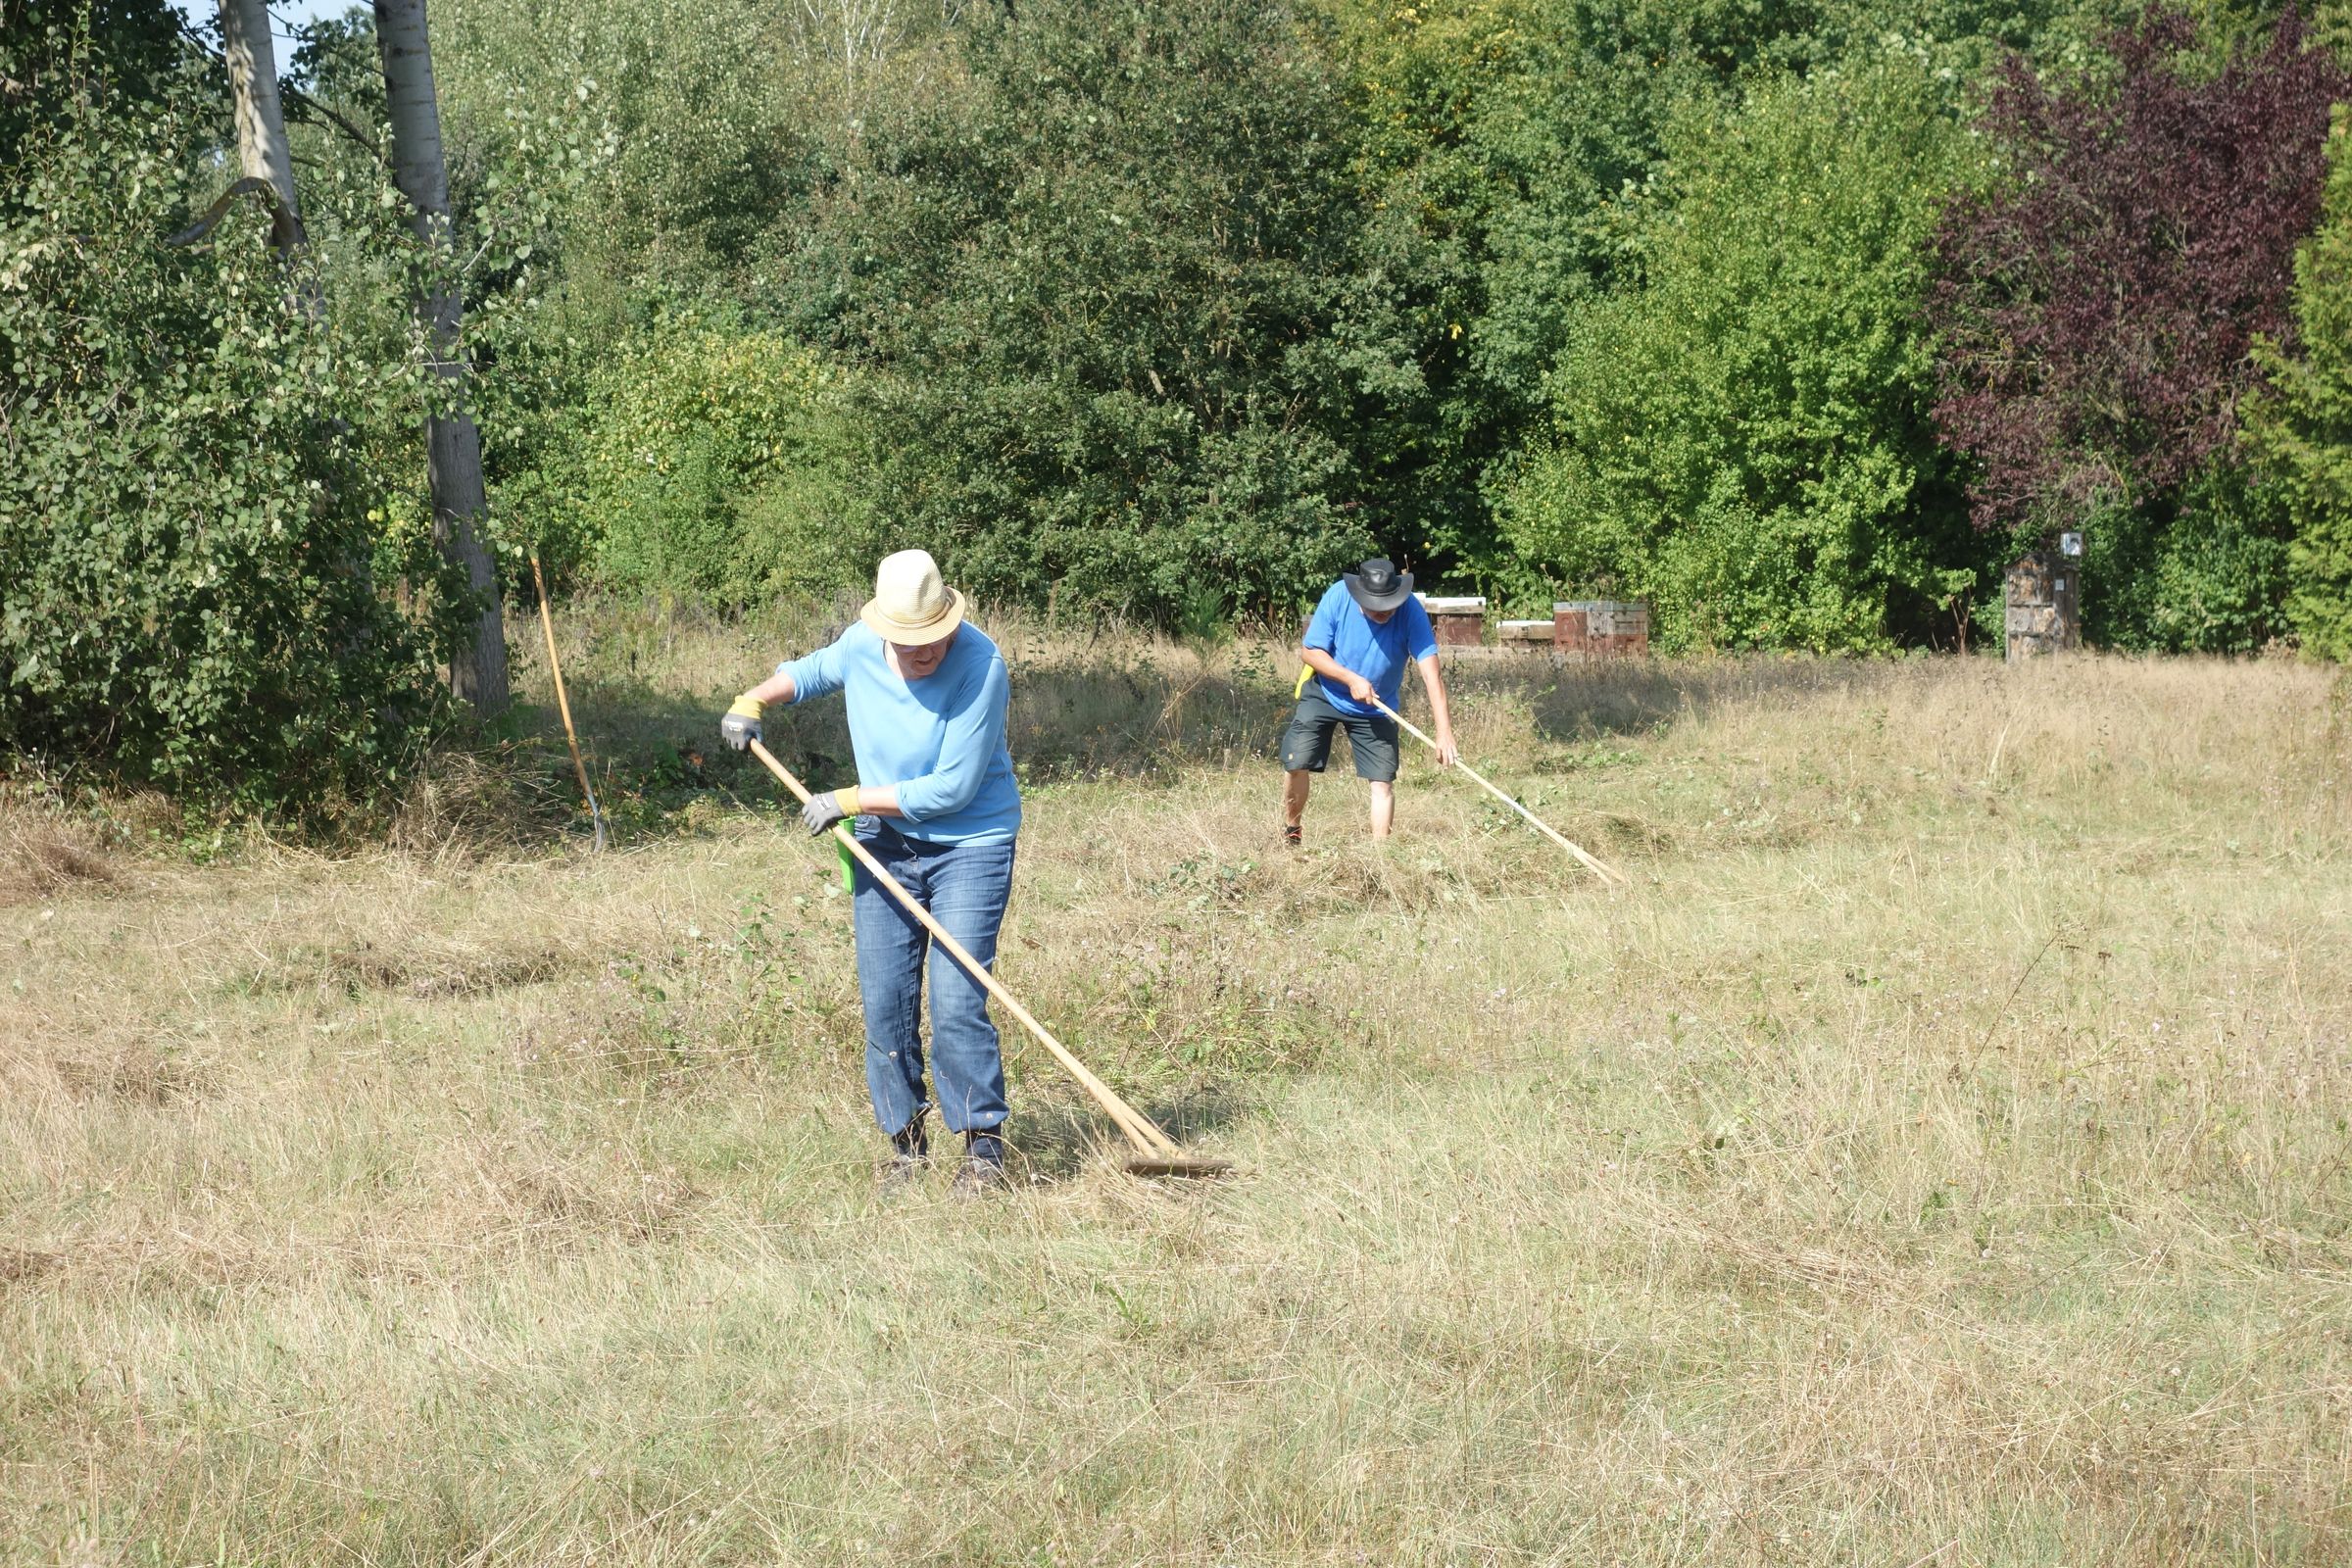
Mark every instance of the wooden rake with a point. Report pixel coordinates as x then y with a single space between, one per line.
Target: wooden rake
1608 874
1156 1153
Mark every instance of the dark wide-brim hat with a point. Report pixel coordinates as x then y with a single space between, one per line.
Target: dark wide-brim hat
1377 585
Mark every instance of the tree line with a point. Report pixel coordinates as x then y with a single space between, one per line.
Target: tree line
1797 319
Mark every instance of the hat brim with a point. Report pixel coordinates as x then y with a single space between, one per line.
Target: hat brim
1369 600
911 634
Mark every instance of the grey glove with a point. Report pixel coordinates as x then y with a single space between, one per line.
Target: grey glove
823 810
741 726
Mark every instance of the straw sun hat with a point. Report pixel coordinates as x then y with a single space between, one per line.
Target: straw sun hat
910 606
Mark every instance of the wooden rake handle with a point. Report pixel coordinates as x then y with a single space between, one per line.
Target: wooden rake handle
555 668
1608 874
1139 1129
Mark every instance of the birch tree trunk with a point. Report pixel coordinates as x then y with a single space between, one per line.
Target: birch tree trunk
261 121
453 446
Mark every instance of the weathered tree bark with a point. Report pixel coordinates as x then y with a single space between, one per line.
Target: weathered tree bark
261 121
453 446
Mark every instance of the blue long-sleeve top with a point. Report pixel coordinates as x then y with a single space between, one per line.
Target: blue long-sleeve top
939 741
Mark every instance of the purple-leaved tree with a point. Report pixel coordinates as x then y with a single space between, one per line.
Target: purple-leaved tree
2096 308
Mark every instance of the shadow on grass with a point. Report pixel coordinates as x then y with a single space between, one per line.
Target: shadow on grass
1572 702
1130 721
1114 706
652 753
1059 1136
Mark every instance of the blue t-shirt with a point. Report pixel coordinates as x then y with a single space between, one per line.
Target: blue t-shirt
939 740
1377 652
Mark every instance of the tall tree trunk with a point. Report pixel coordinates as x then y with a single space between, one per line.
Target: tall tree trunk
261 122
453 446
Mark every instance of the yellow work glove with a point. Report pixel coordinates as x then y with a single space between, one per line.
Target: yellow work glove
823 810
741 726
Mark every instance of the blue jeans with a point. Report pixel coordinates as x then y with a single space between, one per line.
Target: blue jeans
966 887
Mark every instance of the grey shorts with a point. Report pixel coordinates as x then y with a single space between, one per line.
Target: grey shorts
1306 743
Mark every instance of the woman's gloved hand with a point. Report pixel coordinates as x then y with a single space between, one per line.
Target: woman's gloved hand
741 726
823 810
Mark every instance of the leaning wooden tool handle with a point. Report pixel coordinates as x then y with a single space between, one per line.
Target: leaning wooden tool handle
1607 873
1139 1128
547 623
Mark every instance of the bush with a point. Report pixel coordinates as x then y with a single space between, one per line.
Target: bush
1742 438
1091 288
683 123
2302 423
2205 575
192 473
705 460
2098 302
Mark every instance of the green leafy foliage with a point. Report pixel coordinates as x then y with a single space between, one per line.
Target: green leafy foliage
1146 307
1093 286
698 139
709 460
1742 437
2204 572
2302 423
61 53
652 154
1511 147
194 472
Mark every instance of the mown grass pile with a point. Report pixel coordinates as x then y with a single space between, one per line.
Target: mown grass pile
1939 1155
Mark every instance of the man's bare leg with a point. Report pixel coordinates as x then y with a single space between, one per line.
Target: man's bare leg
1294 797
1384 809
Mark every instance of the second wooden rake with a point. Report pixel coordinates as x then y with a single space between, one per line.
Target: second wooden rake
1608 874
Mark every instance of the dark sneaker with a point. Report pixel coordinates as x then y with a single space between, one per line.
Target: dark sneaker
910 1158
1290 835
977 1178
983 1168
900 1172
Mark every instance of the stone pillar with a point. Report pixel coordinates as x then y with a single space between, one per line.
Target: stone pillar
2044 611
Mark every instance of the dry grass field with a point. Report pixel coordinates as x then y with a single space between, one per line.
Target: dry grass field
1937 1156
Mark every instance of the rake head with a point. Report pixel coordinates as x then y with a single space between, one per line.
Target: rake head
1194 1165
